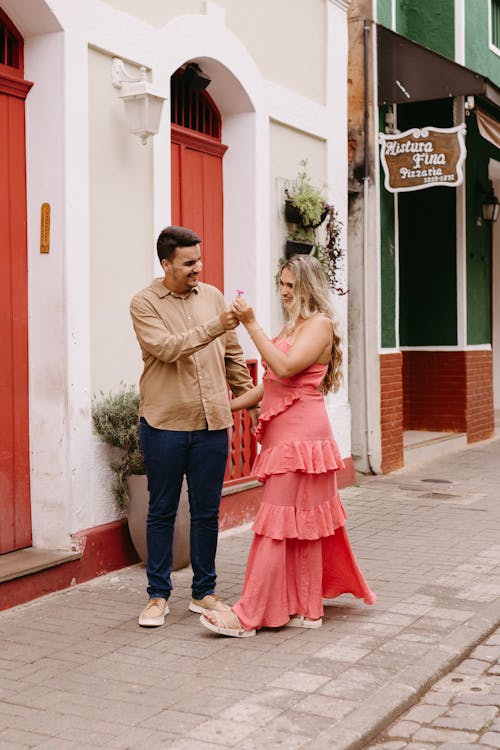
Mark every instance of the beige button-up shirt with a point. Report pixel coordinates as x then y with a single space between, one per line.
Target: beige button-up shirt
188 358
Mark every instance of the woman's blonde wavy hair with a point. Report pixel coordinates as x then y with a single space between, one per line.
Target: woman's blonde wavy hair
311 296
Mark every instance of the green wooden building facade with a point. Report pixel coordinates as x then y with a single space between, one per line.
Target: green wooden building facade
424 272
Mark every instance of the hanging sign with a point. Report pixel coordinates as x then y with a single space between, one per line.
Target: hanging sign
423 157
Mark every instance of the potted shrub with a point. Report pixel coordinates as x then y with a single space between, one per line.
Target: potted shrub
115 421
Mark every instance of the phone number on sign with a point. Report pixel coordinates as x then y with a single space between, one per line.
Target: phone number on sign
440 178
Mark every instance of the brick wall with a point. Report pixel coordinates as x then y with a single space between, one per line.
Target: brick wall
435 391
479 407
449 391
391 411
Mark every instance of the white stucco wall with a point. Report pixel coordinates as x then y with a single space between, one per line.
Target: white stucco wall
157 13
286 38
121 229
110 196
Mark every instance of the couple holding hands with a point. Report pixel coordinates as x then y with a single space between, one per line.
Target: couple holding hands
300 552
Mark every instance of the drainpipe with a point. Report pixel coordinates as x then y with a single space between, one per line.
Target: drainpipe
366 178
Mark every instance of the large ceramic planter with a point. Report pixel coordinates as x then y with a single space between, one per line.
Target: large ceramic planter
137 515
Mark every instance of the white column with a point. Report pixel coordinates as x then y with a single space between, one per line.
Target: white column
337 174
77 281
44 65
460 31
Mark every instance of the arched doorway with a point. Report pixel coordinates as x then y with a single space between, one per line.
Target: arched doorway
197 190
15 511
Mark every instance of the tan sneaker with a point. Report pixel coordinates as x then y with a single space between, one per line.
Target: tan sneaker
154 613
209 602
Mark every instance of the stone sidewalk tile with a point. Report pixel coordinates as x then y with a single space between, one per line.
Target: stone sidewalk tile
427 734
490 739
20 738
273 740
80 662
472 718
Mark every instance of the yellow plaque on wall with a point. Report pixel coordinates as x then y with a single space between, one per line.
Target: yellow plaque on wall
45 228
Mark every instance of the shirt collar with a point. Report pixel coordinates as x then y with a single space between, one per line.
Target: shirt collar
161 290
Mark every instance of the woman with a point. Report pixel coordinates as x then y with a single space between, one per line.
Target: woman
300 552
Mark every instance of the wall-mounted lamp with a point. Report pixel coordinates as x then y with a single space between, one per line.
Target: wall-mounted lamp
143 104
195 78
490 207
469 105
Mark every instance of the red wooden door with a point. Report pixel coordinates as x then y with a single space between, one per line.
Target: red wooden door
196 175
15 510
197 200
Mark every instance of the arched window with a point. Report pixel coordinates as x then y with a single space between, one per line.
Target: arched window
11 47
193 108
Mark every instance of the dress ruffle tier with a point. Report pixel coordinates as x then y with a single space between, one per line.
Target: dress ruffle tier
308 456
288 522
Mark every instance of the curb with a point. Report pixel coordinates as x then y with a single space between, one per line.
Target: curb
366 722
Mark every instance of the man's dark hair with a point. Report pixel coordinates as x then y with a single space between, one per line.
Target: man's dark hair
172 237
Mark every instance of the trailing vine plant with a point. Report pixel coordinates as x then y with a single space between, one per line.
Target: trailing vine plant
331 253
312 210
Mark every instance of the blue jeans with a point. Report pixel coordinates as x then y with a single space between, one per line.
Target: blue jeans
201 455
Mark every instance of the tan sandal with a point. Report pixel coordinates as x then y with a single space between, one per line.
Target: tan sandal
299 621
222 628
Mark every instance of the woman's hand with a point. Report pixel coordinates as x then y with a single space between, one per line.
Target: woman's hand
243 311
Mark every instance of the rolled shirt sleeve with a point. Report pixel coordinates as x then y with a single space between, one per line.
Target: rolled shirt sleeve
189 358
155 337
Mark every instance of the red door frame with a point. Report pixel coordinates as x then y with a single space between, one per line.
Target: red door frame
15 503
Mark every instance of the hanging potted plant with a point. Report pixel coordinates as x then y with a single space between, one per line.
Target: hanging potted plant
115 421
304 203
300 242
306 210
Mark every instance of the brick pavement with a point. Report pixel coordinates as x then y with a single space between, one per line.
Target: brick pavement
76 671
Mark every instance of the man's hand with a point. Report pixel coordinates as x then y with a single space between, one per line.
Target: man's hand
228 319
254 414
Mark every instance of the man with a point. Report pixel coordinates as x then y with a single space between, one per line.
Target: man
189 350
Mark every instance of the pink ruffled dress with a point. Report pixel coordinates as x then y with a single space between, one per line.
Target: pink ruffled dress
300 553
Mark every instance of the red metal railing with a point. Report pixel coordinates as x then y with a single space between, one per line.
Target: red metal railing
242 444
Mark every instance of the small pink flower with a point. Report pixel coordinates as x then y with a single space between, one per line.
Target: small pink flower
239 292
